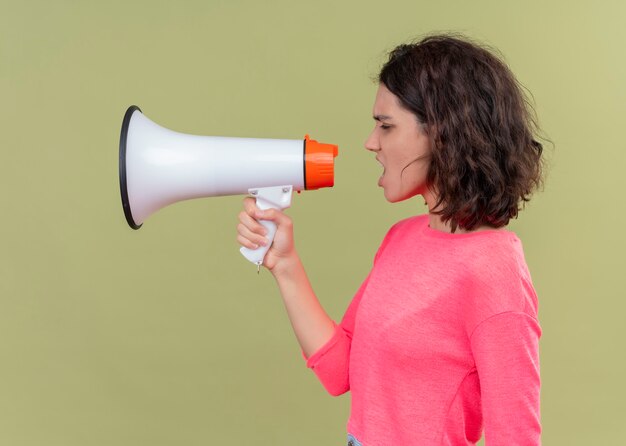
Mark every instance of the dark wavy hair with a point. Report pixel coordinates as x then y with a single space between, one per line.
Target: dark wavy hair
485 161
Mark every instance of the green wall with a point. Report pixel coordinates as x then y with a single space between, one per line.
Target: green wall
166 335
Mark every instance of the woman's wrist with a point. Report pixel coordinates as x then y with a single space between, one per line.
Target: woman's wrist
286 266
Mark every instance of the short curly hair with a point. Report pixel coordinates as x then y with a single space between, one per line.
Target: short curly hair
485 159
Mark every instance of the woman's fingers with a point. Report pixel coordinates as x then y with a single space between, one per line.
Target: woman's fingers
251 223
249 238
275 215
249 206
251 215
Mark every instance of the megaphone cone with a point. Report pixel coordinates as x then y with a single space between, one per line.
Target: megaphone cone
158 167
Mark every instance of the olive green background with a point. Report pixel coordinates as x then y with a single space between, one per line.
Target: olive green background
166 335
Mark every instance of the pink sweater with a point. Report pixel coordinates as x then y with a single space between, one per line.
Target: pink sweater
440 342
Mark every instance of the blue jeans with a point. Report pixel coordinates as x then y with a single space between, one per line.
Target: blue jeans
352 441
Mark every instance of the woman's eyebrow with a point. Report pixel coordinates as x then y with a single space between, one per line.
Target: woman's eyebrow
381 117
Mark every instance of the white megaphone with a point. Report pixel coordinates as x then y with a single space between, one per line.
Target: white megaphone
159 167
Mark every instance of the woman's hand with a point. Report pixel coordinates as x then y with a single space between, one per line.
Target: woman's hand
251 234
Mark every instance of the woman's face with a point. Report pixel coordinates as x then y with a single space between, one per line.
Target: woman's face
401 146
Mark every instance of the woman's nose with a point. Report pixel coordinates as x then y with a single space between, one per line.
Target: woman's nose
371 143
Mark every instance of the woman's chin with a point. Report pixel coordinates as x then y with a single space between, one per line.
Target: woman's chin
390 197
396 196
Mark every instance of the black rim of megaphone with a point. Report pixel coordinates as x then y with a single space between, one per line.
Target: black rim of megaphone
124 190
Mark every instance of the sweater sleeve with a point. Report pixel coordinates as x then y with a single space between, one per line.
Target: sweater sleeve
506 352
331 362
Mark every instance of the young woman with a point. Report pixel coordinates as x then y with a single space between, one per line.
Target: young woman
441 341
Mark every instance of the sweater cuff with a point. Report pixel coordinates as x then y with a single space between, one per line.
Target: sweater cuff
311 360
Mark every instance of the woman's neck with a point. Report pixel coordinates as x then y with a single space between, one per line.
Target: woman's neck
435 221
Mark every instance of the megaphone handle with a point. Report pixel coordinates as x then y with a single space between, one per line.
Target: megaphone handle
267 198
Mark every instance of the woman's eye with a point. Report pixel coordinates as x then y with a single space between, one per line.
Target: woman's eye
384 126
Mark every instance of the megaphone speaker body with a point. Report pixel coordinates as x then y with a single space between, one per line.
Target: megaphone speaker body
159 166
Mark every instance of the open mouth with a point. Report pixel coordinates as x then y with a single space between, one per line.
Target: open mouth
380 162
382 174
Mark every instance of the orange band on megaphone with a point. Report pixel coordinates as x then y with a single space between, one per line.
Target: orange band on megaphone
319 164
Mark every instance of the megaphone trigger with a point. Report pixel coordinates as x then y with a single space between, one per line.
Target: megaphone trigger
277 197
